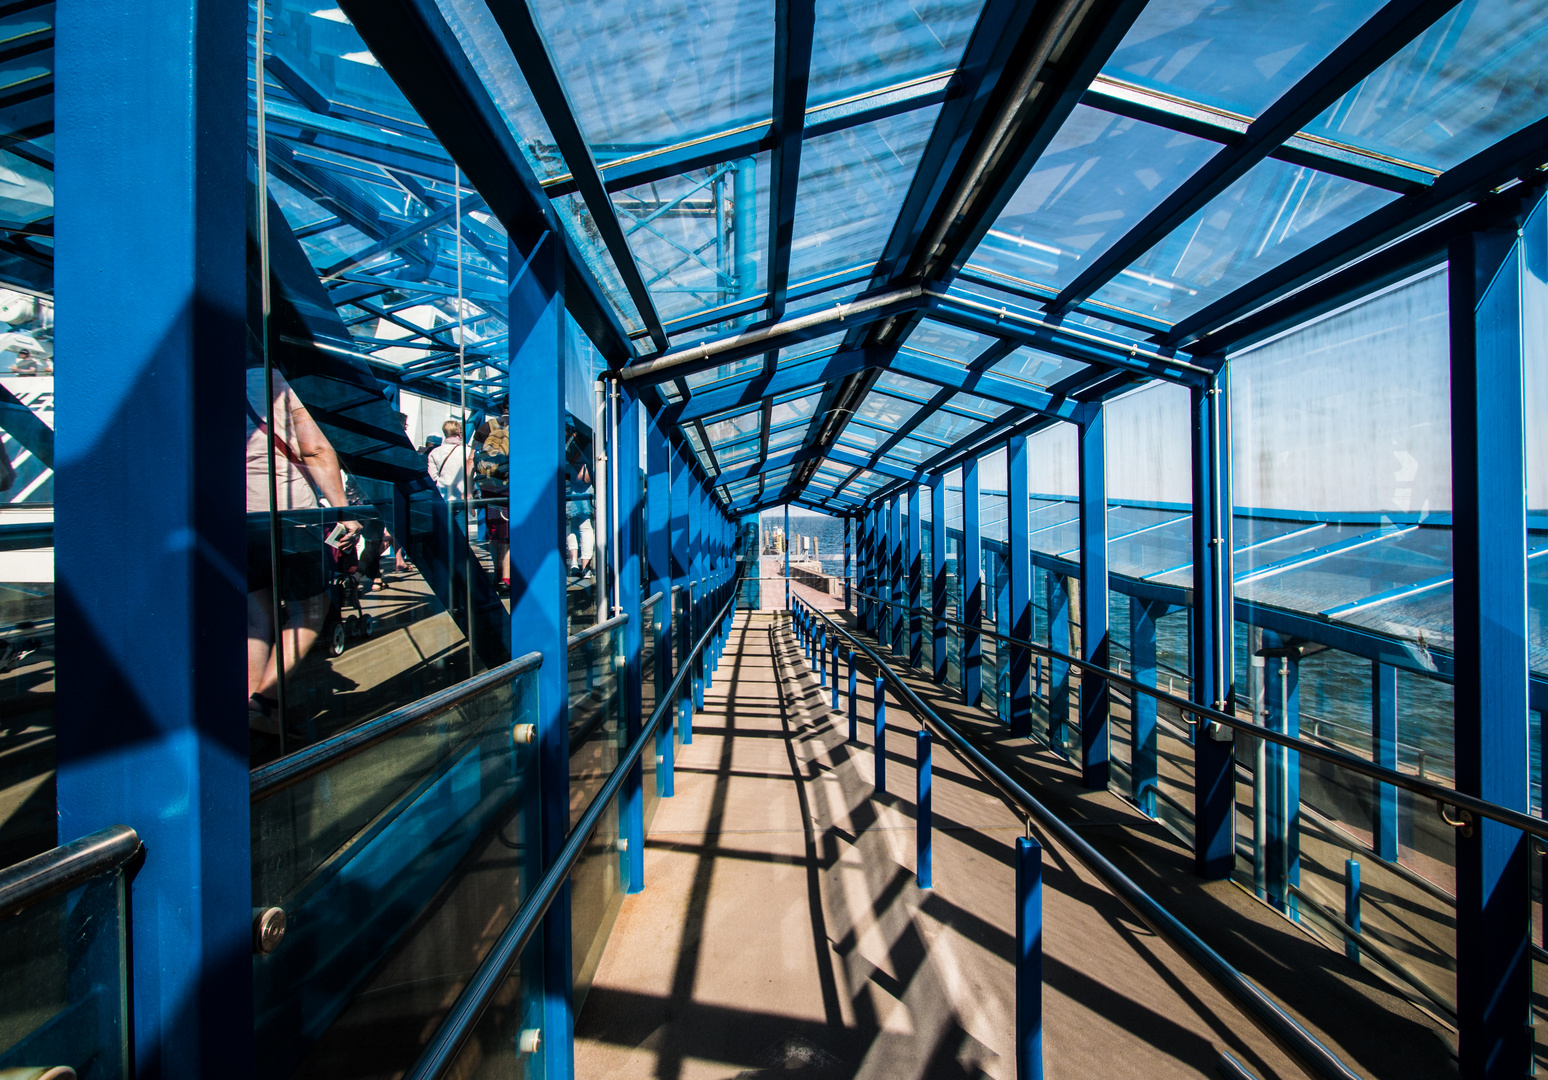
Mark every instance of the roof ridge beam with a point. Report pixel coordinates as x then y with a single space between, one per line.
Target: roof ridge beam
794 26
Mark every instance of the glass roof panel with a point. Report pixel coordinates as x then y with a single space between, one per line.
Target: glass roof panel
1274 212
582 228
725 372
982 407
946 427
1471 79
906 386
793 409
948 342
1237 55
806 350
884 410
1099 177
646 75
735 452
675 229
780 440
861 45
860 437
1037 367
733 427
852 183
912 452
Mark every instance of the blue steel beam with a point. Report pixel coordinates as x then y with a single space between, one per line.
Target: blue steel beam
1497 278
530 48
793 26
1095 693
1377 41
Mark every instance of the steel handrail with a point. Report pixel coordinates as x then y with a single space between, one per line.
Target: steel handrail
34 880
1440 794
465 1012
277 775
592 631
1278 1025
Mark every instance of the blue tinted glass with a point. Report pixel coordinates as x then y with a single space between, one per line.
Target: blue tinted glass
640 74
725 372
869 44
852 183
793 409
1274 212
1471 79
677 231
1238 55
733 428
730 455
912 452
807 350
582 227
885 410
858 436
946 427
1037 367
948 342
787 438
1098 178
982 406
906 386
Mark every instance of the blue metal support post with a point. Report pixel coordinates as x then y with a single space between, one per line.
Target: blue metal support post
698 571
883 575
1020 591
1095 694
971 575
1212 649
1282 856
658 536
848 568
897 577
1352 909
682 485
787 556
854 706
626 453
938 582
539 596
1029 959
1384 808
1143 775
150 272
1498 280
913 568
822 659
879 722
922 816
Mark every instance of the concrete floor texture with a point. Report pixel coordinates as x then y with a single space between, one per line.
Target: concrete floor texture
782 933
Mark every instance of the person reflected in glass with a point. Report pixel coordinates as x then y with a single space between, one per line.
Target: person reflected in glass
580 538
448 463
27 364
306 471
492 464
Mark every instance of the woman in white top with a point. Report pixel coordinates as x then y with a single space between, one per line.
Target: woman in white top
305 467
448 463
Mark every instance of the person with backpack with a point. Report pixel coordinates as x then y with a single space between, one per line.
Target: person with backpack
448 463
492 464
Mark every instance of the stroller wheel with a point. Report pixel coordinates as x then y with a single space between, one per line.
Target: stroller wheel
336 640
351 626
367 626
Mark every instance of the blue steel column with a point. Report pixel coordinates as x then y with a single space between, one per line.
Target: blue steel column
151 287
1212 655
538 591
1095 695
1282 787
863 572
787 556
1494 276
658 538
1384 809
848 547
1017 507
1142 665
698 571
938 650
971 574
885 616
897 564
626 535
914 569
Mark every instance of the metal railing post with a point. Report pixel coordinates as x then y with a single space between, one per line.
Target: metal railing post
854 709
922 823
822 659
879 713
1352 908
1029 959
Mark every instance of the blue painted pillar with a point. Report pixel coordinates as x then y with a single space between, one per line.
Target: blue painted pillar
698 571
914 569
1056 595
658 547
538 594
1142 664
863 572
885 617
971 574
1282 787
938 587
151 290
682 484
848 569
1213 645
626 535
1496 278
787 556
1017 508
1095 694
1384 809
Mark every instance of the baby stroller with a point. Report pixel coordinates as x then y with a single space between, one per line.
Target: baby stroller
345 587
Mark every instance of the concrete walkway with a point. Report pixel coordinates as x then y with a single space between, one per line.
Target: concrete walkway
781 932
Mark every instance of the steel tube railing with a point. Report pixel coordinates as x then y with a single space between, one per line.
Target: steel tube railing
1441 795
1262 1010
454 1030
34 880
